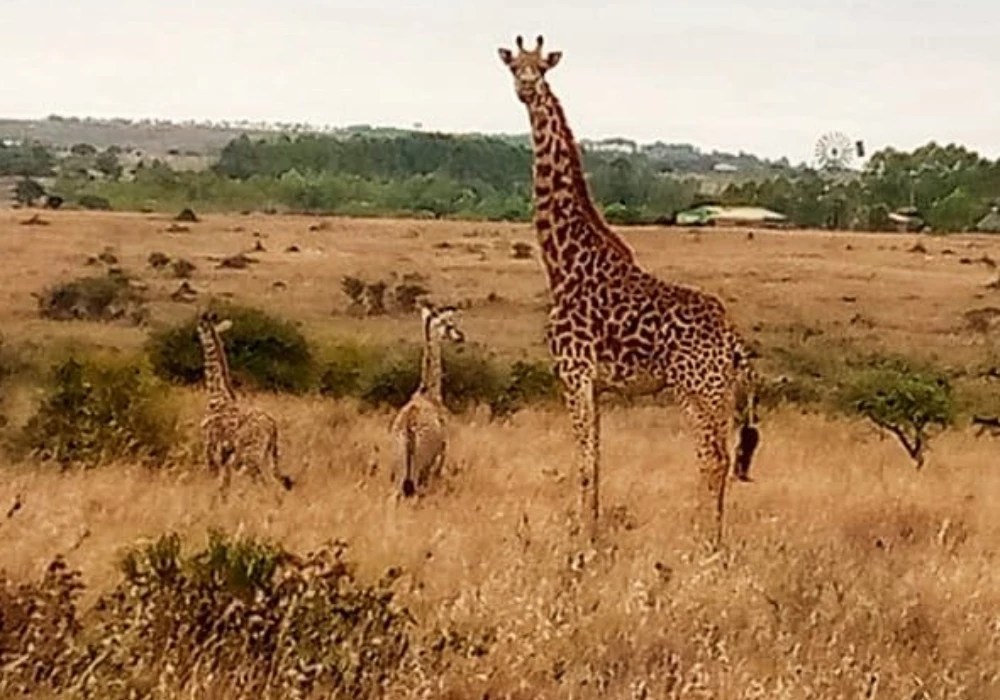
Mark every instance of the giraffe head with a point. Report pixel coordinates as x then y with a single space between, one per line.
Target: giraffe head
441 322
529 68
209 324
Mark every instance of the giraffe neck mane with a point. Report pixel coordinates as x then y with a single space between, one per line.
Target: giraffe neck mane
430 366
217 378
562 196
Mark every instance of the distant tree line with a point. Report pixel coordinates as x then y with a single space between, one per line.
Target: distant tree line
490 177
950 187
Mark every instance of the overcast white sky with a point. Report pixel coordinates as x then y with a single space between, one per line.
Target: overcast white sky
765 76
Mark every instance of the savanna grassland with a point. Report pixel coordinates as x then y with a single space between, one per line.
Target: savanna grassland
845 572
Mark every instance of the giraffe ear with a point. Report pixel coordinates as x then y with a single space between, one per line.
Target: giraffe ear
506 56
552 59
223 326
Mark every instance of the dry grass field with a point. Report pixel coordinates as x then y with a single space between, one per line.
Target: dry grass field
845 574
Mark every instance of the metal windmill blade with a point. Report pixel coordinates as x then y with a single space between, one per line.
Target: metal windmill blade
835 151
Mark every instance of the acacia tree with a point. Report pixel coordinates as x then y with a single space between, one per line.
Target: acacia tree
913 406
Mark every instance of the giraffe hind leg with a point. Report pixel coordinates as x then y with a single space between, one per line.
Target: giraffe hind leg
284 481
710 426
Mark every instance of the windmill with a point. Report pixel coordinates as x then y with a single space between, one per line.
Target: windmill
836 151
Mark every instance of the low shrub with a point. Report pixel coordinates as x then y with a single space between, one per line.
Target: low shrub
96 412
182 269
383 377
407 294
158 260
94 202
237 614
526 383
39 623
264 351
344 370
111 297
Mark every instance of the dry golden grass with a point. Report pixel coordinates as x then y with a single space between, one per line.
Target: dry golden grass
845 573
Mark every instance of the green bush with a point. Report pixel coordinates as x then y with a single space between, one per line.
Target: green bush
107 298
96 412
623 215
393 377
344 370
526 383
237 614
381 377
257 615
909 404
264 351
28 191
94 202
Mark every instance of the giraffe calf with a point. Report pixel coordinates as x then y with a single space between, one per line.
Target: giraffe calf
243 439
236 437
420 426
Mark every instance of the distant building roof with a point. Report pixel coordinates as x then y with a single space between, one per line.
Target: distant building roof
709 213
749 214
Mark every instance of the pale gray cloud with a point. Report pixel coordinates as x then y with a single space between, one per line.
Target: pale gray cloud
766 76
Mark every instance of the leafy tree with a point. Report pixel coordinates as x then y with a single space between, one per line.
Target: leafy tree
108 163
957 211
908 404
27 160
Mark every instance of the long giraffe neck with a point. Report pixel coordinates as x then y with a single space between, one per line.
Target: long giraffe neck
217 379
566 218
430 366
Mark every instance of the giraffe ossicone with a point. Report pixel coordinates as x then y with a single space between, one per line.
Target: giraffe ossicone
612 325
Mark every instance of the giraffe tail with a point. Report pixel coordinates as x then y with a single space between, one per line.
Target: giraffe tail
746 409
409 449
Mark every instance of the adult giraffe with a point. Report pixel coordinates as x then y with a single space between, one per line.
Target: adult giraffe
614 326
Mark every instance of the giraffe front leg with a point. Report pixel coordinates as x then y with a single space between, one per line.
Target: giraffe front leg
582 405
225 475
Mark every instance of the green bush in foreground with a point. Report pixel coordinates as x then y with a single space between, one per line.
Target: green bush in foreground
266 352
96 412
238 613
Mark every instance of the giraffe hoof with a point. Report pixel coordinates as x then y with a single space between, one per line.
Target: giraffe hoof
287 483
409 488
